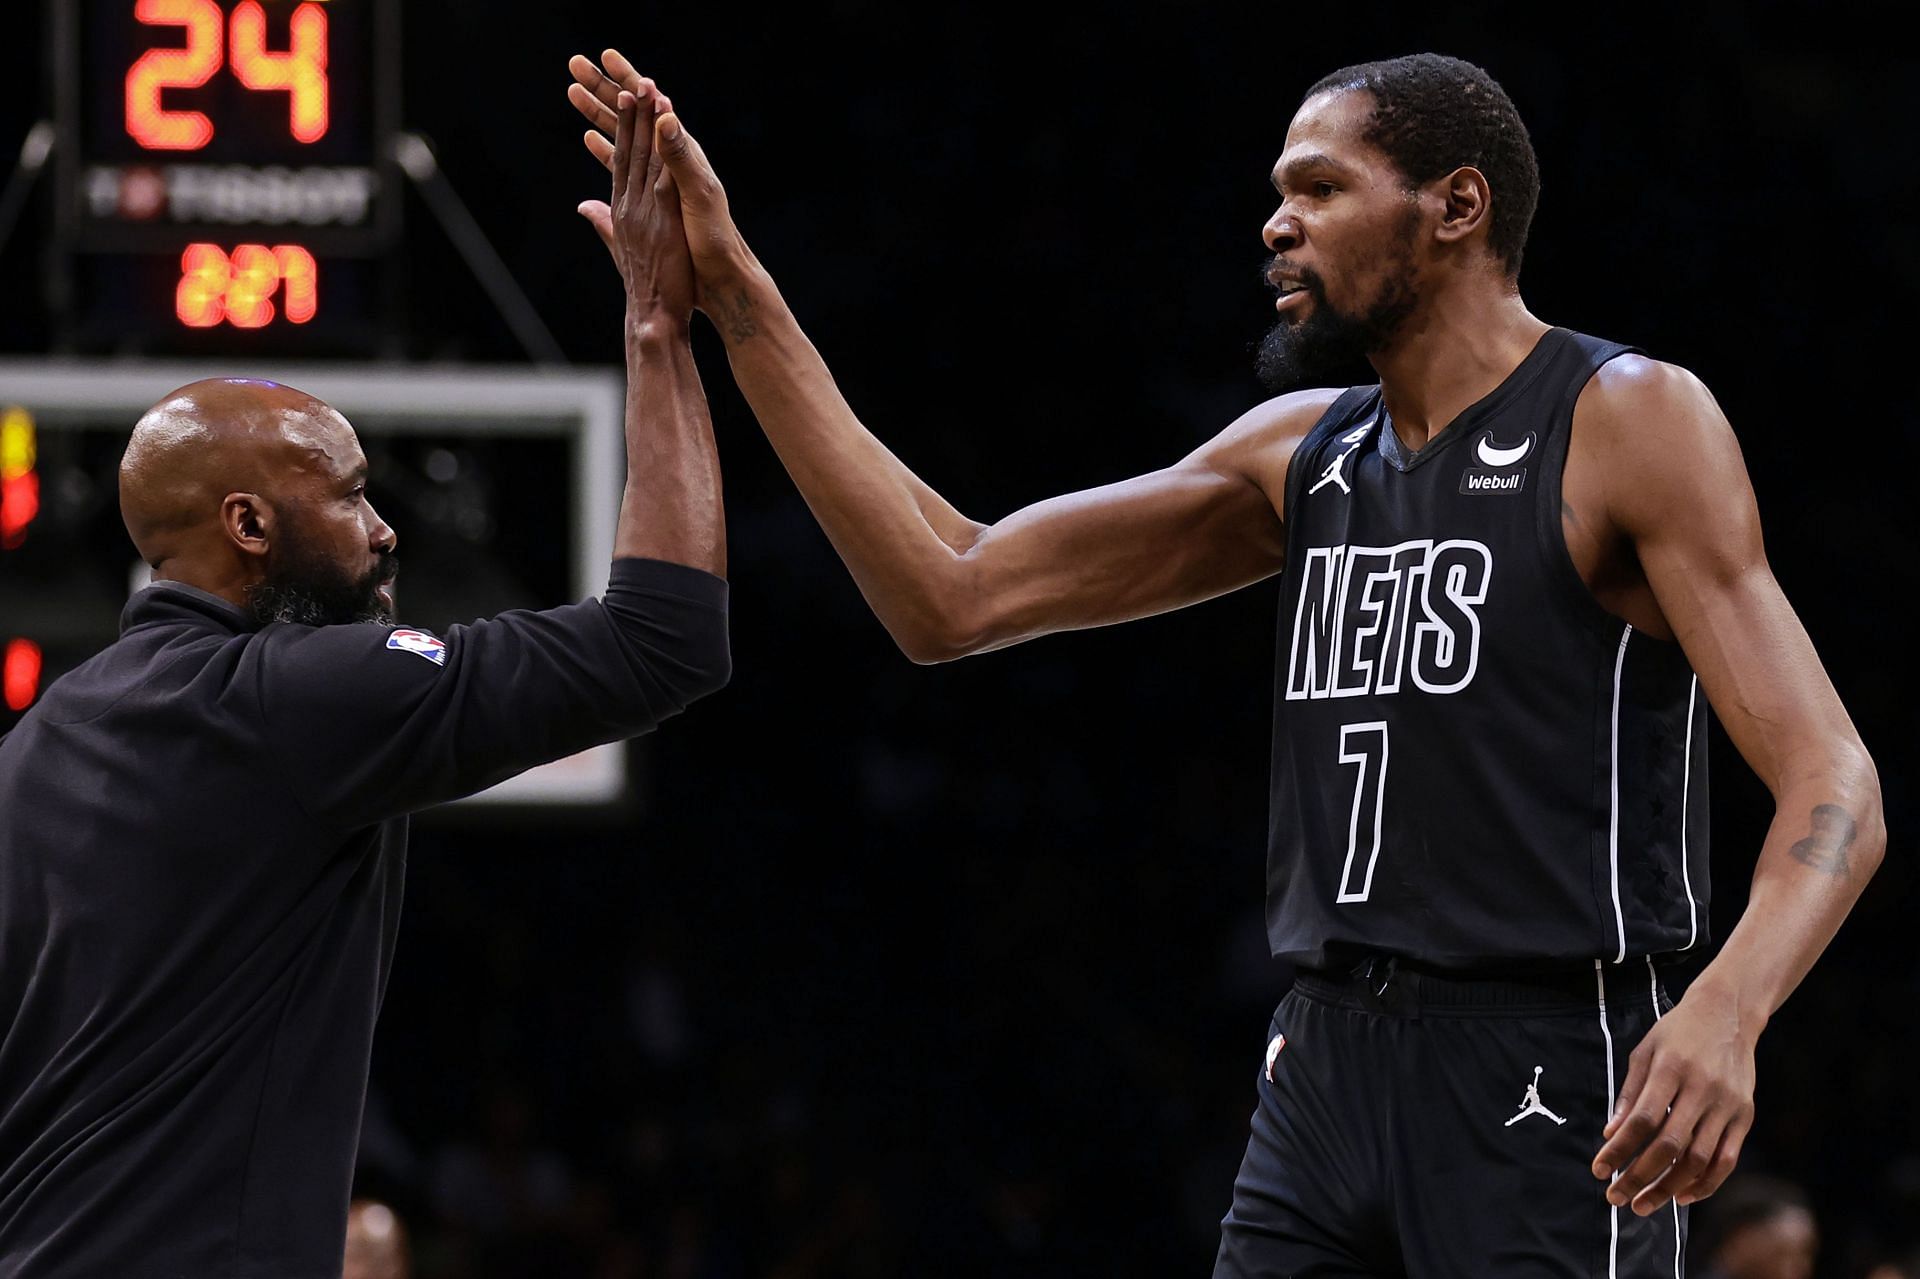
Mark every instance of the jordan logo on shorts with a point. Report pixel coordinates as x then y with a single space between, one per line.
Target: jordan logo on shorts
1531 1103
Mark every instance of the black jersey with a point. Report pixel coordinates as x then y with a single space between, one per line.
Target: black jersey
1473 761
202 851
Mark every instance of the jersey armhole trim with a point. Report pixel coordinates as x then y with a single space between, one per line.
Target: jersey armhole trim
1550 527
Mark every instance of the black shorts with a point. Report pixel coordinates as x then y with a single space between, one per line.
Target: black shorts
1445 1129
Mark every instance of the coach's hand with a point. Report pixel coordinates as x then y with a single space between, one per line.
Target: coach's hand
720 254
641 227
1685 1108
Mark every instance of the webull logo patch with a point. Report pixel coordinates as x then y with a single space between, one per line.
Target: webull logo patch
1474 480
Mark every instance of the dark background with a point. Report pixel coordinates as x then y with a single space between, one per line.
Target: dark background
959 970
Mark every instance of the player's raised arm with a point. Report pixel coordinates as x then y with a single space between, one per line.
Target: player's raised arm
945 585
1681 494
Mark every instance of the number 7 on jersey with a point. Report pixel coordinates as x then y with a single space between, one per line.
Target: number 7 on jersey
1365 747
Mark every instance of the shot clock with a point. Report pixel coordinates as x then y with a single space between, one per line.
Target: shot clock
224 178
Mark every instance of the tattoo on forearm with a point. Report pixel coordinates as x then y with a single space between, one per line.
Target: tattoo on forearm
736 316
1830 841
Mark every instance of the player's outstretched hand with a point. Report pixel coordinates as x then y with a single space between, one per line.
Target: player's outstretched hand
594 92
1685 1108
719 252
641 226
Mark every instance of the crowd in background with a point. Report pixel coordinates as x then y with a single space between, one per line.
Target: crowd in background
1758 1227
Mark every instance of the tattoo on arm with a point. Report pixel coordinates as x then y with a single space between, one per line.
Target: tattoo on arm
1826 847
736 316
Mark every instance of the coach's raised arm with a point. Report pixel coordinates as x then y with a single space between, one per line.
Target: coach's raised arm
523 688
203 829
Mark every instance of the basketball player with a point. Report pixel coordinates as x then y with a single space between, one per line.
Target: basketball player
203 829
1517 571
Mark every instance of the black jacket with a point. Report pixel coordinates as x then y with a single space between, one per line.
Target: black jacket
202 847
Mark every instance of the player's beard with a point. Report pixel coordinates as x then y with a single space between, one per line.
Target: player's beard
307 589
1329 345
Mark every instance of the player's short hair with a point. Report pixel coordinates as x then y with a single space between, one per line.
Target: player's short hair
1431 115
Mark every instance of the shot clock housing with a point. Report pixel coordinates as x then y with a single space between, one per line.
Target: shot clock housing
224 167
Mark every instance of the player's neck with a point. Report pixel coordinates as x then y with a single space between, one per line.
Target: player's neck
1449 355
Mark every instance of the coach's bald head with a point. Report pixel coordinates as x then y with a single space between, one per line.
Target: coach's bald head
256 492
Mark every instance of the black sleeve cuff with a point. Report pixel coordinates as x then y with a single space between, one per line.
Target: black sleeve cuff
671 621
661 577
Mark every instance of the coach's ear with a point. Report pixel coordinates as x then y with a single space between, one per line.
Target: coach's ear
1465 202
248 521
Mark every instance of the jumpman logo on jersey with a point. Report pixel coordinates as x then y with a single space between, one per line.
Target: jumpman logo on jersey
1532 1105
1332 474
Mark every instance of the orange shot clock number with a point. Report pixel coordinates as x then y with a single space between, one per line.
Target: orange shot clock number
299 71
150 123
238 288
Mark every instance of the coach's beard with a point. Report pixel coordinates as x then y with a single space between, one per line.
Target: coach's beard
310 591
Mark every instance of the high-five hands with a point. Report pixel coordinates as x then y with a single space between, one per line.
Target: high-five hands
641 226
595 93
684 177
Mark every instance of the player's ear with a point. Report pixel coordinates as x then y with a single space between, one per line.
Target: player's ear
1466 203
248 521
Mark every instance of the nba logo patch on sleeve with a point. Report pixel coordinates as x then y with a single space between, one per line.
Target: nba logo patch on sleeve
431 647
